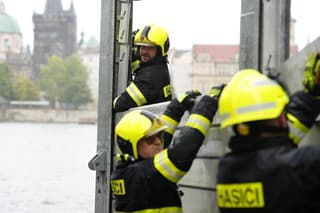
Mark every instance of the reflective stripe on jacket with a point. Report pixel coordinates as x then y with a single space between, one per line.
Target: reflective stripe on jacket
151 85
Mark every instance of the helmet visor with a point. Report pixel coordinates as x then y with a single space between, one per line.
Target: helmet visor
158 125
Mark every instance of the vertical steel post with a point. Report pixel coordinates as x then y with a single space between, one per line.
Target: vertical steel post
250 34
276 33
264 35
285 23
115 47
102 162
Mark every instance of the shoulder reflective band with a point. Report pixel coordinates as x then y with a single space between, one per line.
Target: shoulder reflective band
296 129
164 165
167 90
242 195
171 123
136 94
199 122
118 187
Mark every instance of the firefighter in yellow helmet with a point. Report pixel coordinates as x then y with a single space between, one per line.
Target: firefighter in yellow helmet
265 171
149 166
151 79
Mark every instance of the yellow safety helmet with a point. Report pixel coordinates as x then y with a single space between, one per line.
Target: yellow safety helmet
153 35
251 96
134 126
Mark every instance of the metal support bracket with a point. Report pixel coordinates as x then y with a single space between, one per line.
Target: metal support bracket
97 163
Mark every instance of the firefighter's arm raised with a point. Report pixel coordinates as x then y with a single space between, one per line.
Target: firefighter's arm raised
176 160
175 110
304 106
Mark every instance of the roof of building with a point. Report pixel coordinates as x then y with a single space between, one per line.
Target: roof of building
92 42
218 53
90 46
53 7
7 23
179 53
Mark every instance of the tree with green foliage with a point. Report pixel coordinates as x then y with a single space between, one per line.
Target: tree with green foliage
76 91
25 90
6 78
51 79
65 81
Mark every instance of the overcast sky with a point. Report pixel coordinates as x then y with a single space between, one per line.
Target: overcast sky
188 22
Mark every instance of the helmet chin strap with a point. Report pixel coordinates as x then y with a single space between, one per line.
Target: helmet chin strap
159 52
260 128
125 158
274 131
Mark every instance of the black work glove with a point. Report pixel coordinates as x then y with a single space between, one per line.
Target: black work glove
311 75
134 66
216 91
178 106
188 98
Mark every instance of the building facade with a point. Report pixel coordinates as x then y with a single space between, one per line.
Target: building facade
89 53
204 66
180 70
213 65
12 51
55 33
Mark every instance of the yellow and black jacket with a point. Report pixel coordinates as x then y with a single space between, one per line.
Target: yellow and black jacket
151 84
150 185
272 174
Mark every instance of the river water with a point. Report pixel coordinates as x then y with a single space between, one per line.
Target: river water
44 168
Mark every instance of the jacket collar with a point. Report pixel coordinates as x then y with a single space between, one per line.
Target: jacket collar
240 143
155 61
